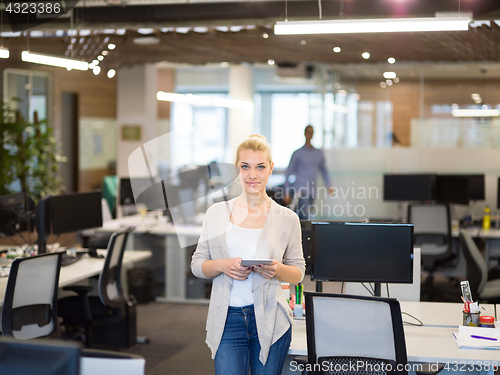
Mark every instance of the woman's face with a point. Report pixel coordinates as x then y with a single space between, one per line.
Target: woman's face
254 170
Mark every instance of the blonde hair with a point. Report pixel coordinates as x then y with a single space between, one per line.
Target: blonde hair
255 142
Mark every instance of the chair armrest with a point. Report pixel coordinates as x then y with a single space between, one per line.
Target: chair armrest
430 369
83 293
78 288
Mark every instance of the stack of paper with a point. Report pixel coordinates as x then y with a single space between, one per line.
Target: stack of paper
477 338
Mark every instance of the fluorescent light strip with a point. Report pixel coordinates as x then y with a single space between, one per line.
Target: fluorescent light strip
53 61
475 112
4 53
386 25
203 100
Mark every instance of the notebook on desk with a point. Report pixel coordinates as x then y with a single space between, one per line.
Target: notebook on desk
477 338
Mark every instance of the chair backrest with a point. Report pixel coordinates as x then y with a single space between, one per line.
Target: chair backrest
477 269
110 283
344 329
432 231
101 362
30 304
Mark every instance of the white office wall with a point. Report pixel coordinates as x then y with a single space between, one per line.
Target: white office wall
136 106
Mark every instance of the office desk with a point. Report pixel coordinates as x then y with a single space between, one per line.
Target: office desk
176 266
432 342
85 268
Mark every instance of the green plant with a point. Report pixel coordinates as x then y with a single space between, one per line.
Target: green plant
29 155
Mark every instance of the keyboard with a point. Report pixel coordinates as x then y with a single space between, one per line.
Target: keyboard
70 259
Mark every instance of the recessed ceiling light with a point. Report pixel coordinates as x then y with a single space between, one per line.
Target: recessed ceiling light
389 75
383 85
337 49
265 35
365 55
147 40
391 60
271 62
111 73
303 42
96 70
111 46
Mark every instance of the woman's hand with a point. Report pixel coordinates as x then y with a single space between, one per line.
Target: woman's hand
232 268
267 271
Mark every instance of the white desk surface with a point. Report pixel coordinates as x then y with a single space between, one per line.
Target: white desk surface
430 343
85 268
151 225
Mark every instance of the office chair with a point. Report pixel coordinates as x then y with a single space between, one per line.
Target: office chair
103 362
477 271
30 304
432 233
110 318
348 330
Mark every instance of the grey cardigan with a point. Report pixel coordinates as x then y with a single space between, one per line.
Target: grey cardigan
280 239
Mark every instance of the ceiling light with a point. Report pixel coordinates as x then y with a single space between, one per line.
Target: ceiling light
475 112
111 73
365 55
97 70
85 32
336 49
271 62
104 53
303 42
4 53
372 25
389 75
95 62
111 46
100 57
53 61
396 79
145 31
391 60
383 85
388 82
265 35
147 40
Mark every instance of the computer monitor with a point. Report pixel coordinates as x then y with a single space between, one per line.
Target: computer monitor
75 211
409 187
476 187
15 215
41 357
362 252
306 227
453 189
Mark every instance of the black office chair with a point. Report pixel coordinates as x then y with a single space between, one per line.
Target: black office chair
30 304
107 320
349 330
477 271
432 233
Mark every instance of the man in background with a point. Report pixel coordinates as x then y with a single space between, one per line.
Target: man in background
305 164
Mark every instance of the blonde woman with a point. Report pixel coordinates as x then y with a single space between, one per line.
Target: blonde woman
249 321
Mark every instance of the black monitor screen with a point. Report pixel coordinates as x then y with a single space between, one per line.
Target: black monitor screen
74 211
476 187
306 243
453 189
409 187
362 252
14 211
42 357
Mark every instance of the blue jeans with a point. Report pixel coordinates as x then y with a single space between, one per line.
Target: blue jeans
304 208
239 348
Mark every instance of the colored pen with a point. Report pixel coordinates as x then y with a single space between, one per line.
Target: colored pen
484 338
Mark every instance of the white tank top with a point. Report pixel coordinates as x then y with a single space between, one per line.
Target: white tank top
242 243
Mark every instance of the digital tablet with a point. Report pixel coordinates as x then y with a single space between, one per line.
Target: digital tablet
256 262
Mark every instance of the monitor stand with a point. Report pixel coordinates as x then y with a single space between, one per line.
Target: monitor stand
377 292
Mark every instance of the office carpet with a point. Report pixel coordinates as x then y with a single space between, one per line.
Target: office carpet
177 339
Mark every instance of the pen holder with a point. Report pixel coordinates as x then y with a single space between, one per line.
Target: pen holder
471 319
